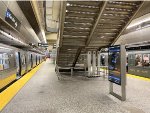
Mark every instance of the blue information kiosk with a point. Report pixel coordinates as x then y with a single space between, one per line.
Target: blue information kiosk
117 70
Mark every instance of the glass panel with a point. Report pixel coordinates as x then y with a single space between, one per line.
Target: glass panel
1 62
146 61
138 60
23 60
4 61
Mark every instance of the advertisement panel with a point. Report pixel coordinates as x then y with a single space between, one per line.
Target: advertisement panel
114 65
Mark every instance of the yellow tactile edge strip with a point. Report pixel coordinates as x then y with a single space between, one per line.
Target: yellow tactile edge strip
11 91
135 76
138 77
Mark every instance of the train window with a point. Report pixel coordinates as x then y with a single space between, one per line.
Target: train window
4 61
1 62
131 56
23 60
146 61
138 60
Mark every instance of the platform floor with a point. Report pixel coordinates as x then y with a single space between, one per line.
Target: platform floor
44 93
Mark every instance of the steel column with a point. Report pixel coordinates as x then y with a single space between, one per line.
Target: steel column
94 62
89 63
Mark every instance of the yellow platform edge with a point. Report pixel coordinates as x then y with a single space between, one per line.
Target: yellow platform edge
138 77
135 76
11 91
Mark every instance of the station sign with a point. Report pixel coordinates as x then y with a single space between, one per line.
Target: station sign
43 44
12 20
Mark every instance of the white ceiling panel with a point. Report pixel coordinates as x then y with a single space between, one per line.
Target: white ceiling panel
49 3
52 14
49 17
56 10
49 11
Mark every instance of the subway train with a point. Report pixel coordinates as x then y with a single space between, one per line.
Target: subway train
138 60
14 63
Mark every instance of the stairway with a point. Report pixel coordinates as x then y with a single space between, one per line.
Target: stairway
91 25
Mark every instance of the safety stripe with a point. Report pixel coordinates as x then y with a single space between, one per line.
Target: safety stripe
11 91
135 76
138 77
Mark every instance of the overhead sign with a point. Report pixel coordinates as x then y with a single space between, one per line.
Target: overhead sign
42 44
12 20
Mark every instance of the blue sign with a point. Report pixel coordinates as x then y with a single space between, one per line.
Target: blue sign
114 65
12 20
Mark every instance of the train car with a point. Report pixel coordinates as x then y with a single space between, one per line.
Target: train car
138 60
139 63
14 63
8 66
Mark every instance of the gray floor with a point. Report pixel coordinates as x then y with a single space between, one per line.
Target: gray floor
44 93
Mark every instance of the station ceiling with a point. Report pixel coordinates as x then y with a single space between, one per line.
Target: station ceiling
91 25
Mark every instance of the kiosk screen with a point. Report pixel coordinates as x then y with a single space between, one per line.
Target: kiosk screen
114 65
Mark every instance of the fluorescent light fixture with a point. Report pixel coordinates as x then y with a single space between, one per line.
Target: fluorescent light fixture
68 4
102 37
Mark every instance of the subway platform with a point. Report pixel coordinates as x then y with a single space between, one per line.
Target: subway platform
44 93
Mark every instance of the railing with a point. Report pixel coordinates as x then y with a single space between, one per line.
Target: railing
63 68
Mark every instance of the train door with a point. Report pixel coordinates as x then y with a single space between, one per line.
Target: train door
18 64
36 60
26 62
31 60
23 64
39 59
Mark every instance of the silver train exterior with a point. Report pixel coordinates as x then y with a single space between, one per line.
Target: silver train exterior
138 62
14 63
